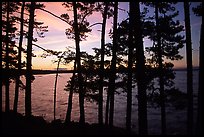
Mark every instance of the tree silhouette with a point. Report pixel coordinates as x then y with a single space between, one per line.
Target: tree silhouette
78 62
166 43
116 67
86 9
15 106
22 33
140 68
100 107
189 69
198 12
28 112
69 108
7 60
130 64
111 86
9 57
161 80
1 85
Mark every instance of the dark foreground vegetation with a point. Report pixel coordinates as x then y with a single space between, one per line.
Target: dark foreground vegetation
17 124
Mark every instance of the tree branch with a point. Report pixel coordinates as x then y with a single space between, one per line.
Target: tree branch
39 47
54 15
94 24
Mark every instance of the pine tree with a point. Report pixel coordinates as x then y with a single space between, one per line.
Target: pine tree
22 33
130 51
28 109
9 57
198 12
140 68
78 30
7 105
189 69
166 43
15 106
161 80
100 107
78 62
111 88
69 108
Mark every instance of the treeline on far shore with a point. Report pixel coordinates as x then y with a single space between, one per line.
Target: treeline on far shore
35 71
40 71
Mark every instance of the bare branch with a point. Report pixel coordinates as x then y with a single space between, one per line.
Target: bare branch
122 9
94 24
54 15
40 47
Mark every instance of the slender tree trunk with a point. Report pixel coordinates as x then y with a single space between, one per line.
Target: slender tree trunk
113 65
100 103
1 81
78 62
189 69
29 62
129 83
161 79
7 104
1 87
200 124
69 108
55 88
107 108
140 59
15 106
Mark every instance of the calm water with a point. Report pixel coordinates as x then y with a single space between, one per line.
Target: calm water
42 104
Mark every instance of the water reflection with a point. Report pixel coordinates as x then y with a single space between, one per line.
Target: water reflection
42 104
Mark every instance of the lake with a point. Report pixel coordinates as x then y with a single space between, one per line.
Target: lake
42 104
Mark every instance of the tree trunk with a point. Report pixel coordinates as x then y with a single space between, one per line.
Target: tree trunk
200 88
69 108
55 87
189 69
161 79
7 104
1 82
129 83
78 62
107 108
141 84
100 102
15 106
29 62
113 65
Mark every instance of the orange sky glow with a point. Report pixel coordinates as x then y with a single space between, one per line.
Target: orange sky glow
55 38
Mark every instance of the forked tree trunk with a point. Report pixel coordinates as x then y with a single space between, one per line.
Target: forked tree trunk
78 62
69 108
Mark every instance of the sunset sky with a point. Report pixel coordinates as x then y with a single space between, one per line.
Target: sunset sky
55 38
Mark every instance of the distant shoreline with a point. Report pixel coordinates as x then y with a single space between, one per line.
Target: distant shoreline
40 71
37 71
